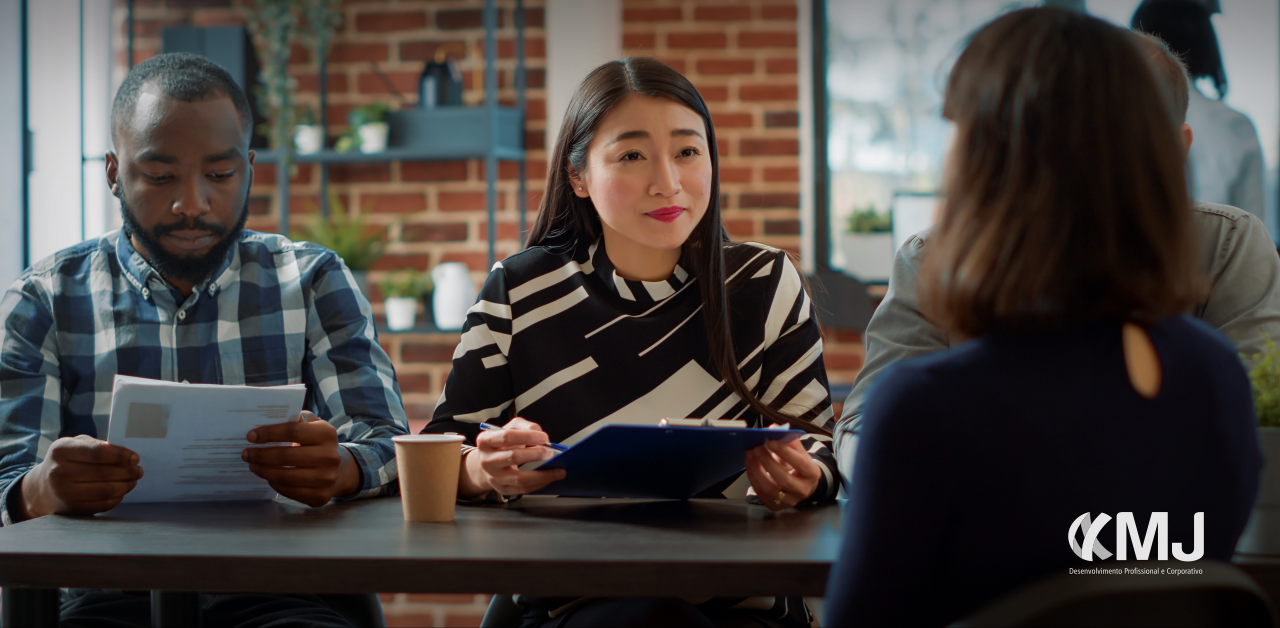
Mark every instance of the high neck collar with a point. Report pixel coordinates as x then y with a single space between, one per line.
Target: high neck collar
640 292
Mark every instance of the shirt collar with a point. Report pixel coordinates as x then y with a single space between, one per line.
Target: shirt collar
642 292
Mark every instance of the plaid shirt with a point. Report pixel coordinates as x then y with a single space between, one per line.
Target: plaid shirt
279 312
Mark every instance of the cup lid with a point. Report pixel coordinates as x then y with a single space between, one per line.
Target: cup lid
429 438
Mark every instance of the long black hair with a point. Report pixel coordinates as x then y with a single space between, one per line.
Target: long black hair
1186 26
564 219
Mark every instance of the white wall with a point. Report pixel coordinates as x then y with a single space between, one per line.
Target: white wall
581 35
11 167
53 33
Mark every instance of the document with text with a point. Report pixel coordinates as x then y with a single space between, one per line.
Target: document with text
188 437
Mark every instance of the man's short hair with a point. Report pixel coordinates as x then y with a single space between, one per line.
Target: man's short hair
182 76
1171 72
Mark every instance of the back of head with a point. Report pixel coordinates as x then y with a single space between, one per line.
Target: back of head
1171 73
1066 198
1186 26
181 76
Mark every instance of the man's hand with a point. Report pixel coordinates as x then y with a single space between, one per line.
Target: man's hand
79 476
782 475
313 470
495 463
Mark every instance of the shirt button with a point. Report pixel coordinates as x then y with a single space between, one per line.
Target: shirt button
182 316
146 294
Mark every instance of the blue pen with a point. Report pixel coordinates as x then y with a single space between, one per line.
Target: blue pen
555 446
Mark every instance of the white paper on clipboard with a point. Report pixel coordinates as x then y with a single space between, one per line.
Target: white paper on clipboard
188 437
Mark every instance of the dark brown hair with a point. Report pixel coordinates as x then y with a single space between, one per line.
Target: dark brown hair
564 219
1170 72
1066 198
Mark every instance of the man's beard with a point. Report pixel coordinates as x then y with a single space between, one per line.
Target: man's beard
185 268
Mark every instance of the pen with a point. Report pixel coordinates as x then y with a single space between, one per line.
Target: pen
555 446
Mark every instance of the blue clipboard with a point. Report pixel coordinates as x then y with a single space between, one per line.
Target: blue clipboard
652 462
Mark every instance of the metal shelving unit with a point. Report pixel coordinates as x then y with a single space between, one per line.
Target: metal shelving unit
489 132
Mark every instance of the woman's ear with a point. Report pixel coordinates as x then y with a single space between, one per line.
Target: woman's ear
579 185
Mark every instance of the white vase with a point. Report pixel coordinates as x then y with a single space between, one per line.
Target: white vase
402 313
867 256
308 139
373 137
454 294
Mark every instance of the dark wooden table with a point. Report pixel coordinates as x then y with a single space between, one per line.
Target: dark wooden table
537 545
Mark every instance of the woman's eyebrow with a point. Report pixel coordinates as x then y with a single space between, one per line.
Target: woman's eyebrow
631 135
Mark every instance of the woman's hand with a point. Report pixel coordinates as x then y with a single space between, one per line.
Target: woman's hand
494 463
782 475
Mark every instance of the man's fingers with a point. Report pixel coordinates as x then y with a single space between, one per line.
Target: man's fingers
521 423
307 457
86 473
97 492
793 453
493 461
521 482
309 496
297 478
766 489
301 432
84 448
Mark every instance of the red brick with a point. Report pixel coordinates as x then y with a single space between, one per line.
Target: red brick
781 119
435 232
433 171
397 261
722 13
740 228
779 12
466 620
781 174
417 382
842 361
752 147
410 621
303 204
398 203
755 39
535 139
533 48
664 14
714 93
348 53
726 66
697 40
463 201
735 175
206 19
639 40
732 120
475 261
847 335
676 64
426 50
152 28
781 66
311 83
299 54
442 598
406 83
537 77
259 205
782 227
535 109
722 146
533 17
769 200
385 22
510 170
265 224
460 19
506 231
755 93
359 173
415 410
264 174
387 598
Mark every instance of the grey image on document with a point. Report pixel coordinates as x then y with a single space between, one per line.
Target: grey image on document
147 420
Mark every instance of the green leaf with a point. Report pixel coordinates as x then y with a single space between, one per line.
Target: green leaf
1264 378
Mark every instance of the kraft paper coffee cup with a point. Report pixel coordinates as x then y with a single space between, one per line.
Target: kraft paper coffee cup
428 468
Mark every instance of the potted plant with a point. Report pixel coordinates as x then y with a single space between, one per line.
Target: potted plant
308 137
368 129
273 23
1262 535
358 244
867 244
402 291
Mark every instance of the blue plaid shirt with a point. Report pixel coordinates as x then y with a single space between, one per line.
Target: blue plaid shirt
279 312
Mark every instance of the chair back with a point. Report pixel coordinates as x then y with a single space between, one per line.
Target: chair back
1220 596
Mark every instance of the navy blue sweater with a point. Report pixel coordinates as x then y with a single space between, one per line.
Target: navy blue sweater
974 462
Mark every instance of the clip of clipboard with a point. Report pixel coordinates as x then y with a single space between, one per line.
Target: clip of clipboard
655 462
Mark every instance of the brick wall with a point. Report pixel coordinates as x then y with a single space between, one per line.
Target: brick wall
741 54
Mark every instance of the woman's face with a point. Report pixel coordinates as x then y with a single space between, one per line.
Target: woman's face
649 176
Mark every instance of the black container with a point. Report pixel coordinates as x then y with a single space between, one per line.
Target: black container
440 84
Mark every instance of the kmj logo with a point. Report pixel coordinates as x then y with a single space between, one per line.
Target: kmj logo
1127 529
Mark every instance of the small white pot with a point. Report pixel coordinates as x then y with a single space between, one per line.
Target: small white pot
373 137
1262 535
308 139
402 313
868 256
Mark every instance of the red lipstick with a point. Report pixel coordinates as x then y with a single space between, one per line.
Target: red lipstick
666 214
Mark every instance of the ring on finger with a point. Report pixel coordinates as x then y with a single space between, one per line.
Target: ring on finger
777 501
